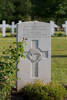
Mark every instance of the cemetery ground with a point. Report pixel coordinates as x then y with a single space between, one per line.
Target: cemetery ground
58 60
58 53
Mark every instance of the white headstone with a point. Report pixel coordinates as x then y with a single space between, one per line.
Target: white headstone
65 27
20 21
37 64
53 26
4 28
13 26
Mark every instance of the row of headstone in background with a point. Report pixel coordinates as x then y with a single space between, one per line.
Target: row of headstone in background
53 27
3 26
65 27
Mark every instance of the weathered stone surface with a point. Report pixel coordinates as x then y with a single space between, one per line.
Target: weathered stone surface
37 64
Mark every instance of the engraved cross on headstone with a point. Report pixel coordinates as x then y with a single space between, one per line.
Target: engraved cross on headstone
35 55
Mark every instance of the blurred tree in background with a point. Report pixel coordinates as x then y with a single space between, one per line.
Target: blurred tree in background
44 10
7 10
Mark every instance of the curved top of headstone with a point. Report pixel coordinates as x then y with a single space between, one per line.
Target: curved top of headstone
36 23
33 29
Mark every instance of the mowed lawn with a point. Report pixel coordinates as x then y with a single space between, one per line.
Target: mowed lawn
59 59
6 42
59 53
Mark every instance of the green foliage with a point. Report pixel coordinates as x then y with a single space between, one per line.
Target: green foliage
8 69
44 10
59 34
34 91
39 91
7 10
23 9
61 13
55 90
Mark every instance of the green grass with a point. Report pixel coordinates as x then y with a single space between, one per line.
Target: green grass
58 64
59 46
59 69
57 32
6 42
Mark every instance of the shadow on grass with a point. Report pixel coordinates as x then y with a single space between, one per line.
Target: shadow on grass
9 36
59 56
